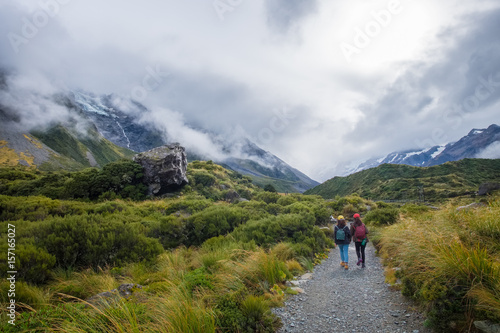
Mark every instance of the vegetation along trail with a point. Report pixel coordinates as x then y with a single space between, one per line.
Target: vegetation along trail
356 300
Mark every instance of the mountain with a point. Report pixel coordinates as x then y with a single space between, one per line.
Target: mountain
475 144
265 168
120 127
70 145
403 182
125 129
478 143
83 129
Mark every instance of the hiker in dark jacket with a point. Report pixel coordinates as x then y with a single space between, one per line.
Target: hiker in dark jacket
359 233
342 236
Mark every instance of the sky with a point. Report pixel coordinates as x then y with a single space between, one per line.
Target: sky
322 84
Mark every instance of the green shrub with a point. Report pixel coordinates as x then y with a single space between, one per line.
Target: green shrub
268 197
91 240
413 209
382 204
286 200
43 319
214 221
34 263
203 178
294 228
171 231
270 188
382 216
258 315
189 205
198 279
229 317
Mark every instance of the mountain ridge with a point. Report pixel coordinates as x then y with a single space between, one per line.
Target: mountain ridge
469 146
404 182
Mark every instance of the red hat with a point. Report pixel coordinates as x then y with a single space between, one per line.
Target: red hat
356 215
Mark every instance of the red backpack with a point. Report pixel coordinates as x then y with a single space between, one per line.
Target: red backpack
360 232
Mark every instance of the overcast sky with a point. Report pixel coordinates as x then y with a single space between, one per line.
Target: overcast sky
322 84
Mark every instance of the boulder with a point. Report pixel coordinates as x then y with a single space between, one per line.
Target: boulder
487 326
487 188
123 291
472 206
232 196
164 168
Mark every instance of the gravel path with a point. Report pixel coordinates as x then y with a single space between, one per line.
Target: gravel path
356 300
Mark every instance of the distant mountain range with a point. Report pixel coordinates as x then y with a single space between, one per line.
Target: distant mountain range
403 182
479 143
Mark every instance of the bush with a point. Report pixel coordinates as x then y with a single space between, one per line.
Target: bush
270 188
34 263
258 315
413 209
91 240
382 216
214 221
229 316
203 178
268 197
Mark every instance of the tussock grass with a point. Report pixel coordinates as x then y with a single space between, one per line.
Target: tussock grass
84 284
178 312
111 316
449 260
284 251
294 267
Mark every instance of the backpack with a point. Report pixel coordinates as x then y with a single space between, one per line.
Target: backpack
360 232
340 234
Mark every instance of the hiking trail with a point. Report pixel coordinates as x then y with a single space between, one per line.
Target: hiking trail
354 300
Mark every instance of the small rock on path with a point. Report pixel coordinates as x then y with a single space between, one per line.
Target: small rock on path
356 300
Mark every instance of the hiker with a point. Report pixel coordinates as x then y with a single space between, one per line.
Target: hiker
342 237
359 235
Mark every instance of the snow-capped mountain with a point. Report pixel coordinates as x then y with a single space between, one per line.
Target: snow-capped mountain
45 124
479 143
122 127
121 121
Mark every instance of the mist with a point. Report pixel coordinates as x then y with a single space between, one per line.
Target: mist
271 71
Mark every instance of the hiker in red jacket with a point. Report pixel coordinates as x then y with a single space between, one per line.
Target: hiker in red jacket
359 235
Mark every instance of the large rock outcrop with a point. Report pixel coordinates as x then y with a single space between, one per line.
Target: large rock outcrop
164 168
487 188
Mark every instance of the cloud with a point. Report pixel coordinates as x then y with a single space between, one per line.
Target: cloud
34 102
282 15
435 100
403 90
490 152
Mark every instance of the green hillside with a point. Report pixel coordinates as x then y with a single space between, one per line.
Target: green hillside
402 182
83 149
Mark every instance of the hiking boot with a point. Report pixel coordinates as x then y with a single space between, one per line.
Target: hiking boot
346 266
363 266
359 262
342 264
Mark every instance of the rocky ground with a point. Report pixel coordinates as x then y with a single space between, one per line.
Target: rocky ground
356 300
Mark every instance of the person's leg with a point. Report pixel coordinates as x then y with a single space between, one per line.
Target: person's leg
341 249
358 252
346 254
363 257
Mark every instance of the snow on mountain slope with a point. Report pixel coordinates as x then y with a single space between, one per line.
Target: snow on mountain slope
478 143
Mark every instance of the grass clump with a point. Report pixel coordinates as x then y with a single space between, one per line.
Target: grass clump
449 261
